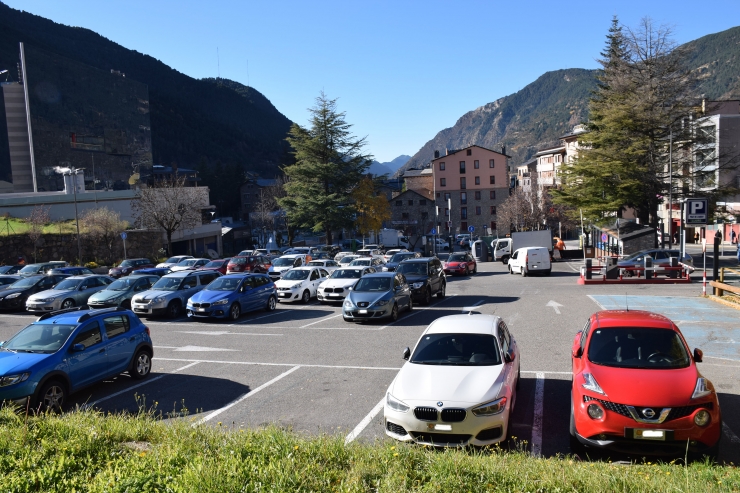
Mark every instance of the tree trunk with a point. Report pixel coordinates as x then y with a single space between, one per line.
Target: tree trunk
169 243
328 237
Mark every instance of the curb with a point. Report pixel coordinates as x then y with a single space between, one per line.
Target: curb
721 301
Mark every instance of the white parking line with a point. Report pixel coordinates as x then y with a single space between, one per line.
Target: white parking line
539 397
222 333
91 404
319 321
597 303
730 434
257 363
248 394
365 421
419 310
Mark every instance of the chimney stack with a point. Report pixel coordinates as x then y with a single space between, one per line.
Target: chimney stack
436 154
503 150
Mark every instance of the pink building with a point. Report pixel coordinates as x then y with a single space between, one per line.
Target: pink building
474 181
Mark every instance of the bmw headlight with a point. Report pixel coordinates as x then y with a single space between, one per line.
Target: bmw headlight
11 296
13 379
590 383
221 302
491 408
701 388
395 404
417 285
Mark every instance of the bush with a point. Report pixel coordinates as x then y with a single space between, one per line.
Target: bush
92 265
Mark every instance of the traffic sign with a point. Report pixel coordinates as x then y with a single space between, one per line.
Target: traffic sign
697 212
471 228
434 231
123 235
603 237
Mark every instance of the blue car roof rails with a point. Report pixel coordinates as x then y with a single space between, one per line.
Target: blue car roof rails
57 312
92 313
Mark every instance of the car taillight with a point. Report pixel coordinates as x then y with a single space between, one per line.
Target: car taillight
526 260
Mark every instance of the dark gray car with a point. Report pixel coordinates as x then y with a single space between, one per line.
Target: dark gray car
120 292
377 296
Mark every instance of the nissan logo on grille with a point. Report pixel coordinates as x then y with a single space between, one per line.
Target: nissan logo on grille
648 413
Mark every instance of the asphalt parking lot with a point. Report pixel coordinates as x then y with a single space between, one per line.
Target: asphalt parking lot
304 368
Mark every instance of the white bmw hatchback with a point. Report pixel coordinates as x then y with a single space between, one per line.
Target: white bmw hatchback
458 386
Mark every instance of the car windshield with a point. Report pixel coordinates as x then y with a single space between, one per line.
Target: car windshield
347 274
224 284
7 280
127 263
347 259
214 263
360 261
400 256
39 338
457 257
245 253
457 349
296 275
283 262
315 263
168 284
68 284
378 284
635 347
30 269
413 268
121 284
25 283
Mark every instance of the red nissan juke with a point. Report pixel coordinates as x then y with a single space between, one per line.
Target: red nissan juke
636 388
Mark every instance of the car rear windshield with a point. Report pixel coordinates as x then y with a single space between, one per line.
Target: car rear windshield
379 284
457 349
214 263
413 268
347 274
347 259
400 256
30 269
635 347
282 262
360 261
39 338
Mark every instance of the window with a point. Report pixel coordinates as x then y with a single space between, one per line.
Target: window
438 194
447 212
411 202
442 182
492 194
404 215
463 198
490 163
89 336
399 202
462 183
477 180
463 213
476 164
447 196
493 180
441 166
493 210
477 210
422 201
464 226
493 225
477 195
462 167
424 215
469 152
115 326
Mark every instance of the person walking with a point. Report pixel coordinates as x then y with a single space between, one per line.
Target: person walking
696 237
733 236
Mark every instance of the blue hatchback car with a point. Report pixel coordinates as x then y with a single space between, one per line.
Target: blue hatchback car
231 295
64 351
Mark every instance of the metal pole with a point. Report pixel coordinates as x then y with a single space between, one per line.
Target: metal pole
670 190
682 243
704 275
28 118
77 219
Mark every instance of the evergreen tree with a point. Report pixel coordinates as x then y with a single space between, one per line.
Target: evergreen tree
329 165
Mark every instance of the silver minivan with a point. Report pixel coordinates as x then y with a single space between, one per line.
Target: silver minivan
530 260
169 295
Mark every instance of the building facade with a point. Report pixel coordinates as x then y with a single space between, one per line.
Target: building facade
469 185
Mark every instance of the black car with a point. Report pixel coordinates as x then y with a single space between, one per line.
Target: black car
10 269
7 280
14 296
425 276
397 258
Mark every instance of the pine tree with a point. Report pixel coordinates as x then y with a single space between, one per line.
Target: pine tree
329 166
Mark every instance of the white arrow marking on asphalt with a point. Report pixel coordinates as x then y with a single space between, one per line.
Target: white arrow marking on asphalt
202 349
555 305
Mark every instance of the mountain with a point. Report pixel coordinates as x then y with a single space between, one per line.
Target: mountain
534 117
390 167
191 120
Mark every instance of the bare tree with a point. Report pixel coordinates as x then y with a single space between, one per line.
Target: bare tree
263 217
169 206
38 218
103 226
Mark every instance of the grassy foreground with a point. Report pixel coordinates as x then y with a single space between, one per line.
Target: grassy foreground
86 451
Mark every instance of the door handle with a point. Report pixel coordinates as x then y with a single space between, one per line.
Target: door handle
132 339
102 350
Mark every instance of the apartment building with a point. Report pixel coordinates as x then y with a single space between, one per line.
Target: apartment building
469 185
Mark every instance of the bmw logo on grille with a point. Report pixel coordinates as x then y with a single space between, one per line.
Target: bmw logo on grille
648 413
440 404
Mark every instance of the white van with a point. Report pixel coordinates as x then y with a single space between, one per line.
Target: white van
529 260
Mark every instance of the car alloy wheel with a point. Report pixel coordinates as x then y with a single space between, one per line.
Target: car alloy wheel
271 304
306 296
141 366
173 309
66 304
51 397
235 312
394 313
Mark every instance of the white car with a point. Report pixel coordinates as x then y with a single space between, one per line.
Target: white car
339 256
281 265
328 265
190 264
388 255
376 262
442 245
458 386
336 287
300 284
529 260
347 259
172 261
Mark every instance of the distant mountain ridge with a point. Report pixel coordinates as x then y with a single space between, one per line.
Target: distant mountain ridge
549 107
388 168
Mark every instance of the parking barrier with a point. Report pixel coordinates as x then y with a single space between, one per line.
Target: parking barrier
597 274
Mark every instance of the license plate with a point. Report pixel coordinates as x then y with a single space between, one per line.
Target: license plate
201 309
333 295
438 427
363 311
649 434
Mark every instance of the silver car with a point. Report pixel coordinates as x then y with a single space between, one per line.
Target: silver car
121 291
72 291
170 294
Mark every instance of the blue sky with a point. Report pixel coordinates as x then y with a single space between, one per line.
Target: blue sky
402 70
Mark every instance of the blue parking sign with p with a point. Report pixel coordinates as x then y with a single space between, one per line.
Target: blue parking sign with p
697 212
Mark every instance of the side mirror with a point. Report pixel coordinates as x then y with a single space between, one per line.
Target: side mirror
406 353
77 348
509 357
698 355
186 286
577 352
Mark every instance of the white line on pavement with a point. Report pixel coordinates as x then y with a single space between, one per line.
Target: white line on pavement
420 310
255 363
319 321
730 434
597 303
248 394
222 333
365 421
88 406
542 372
539 397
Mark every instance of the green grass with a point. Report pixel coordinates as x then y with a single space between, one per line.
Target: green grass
87 451
15 226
